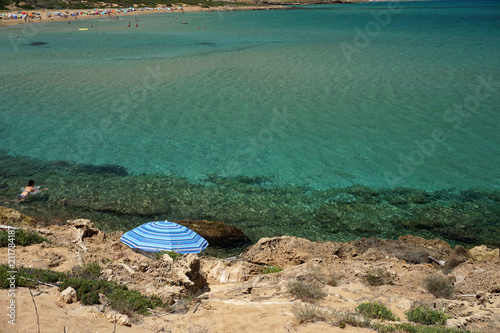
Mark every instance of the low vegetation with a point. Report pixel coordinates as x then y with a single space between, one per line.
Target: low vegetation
88 286
375 310
307 291
310 313
20 237
4 4
174 255
406 327
271 269
307 313
426 316
439 286
330 279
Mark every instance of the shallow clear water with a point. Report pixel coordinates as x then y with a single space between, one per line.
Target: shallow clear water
374 94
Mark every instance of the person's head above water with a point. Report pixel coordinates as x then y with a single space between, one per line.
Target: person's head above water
31 182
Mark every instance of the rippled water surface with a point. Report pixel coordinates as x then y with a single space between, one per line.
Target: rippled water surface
263 119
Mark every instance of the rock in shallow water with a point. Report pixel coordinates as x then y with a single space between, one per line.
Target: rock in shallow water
217 233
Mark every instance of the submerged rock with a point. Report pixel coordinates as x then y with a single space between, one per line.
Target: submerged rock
13 217
217 233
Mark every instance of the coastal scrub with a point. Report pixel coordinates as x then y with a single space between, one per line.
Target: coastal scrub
22 238
88 286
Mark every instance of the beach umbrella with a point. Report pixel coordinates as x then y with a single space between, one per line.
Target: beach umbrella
164 236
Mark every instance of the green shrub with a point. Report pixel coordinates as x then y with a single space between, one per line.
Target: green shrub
375 310
439 286
90 298
426 316
378 277
307 291
271 269
406 327
87 284
130 301
21 237
27 7
27 277
174 255
4 4
43 275
90 271
84 287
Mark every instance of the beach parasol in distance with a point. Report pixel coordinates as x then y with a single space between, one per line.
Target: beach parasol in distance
164 236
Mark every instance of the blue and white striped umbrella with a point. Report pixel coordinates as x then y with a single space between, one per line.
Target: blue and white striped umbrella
164 236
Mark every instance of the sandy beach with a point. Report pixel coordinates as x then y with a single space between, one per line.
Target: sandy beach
49 15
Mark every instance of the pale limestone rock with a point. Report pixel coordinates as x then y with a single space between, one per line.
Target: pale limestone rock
121 319
405 304
225 271
455 323
68 295
167 258
482 253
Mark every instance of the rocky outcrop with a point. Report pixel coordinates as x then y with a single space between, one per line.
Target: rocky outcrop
415 250
14 218
166 278
482 253
286 251
68 295
229 271
85 228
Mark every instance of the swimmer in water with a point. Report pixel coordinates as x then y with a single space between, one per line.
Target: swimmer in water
29 190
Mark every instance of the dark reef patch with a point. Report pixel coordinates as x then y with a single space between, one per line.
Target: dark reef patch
116 200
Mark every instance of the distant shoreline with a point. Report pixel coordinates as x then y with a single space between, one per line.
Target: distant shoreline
270 5
43 16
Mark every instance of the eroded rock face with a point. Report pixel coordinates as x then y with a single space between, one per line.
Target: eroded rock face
85 227
165 277
226 271
14 218
415 250
217 233
288 251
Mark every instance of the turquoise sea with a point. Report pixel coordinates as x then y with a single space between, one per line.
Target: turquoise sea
331 122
